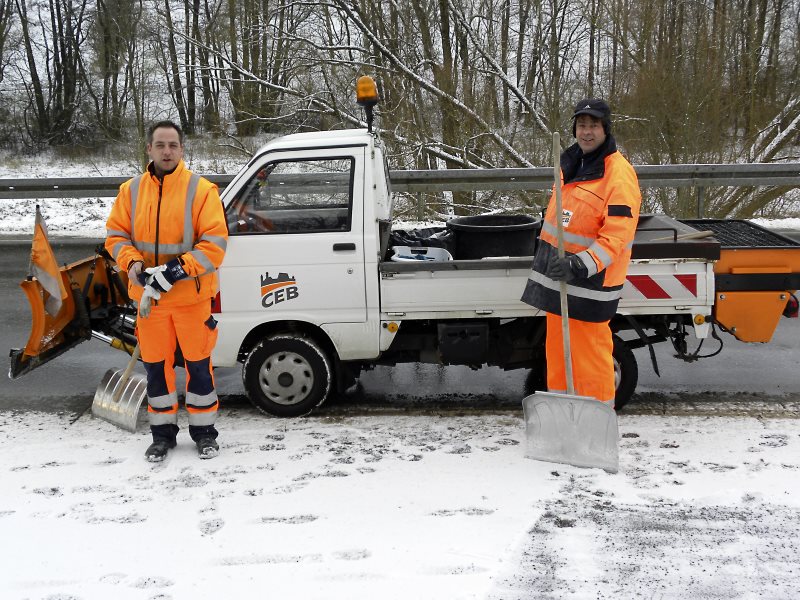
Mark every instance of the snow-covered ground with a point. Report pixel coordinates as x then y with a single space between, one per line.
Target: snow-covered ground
389 506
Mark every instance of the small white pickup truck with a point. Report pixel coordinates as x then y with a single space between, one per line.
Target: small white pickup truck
309 296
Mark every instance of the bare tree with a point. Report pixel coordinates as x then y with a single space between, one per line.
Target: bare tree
53 43
6 17
115 30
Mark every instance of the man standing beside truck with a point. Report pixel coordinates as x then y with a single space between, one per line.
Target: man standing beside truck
600 210
167 229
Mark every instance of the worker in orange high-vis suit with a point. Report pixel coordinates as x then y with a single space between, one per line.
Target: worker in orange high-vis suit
167 230
600 210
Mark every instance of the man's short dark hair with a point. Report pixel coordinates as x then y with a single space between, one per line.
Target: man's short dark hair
158 125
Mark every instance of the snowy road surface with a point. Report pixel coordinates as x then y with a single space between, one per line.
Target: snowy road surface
392 506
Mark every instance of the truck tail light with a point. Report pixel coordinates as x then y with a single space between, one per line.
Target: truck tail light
216 304
792 306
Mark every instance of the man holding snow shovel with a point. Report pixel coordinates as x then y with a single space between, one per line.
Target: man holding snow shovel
167 230
600 210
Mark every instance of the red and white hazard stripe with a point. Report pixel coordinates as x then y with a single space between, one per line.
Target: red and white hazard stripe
661 287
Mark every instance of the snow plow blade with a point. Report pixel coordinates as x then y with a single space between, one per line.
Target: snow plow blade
96 304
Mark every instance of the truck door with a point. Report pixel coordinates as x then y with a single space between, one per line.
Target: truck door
296 239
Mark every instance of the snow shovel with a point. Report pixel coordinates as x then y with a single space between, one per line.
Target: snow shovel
565 428
120 395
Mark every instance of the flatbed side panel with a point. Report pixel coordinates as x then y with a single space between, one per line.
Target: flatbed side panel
654 286
478 292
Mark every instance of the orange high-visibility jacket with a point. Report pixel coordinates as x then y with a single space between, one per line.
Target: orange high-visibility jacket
601 210
154 221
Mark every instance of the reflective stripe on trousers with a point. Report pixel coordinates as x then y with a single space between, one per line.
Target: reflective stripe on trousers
592 350
158 336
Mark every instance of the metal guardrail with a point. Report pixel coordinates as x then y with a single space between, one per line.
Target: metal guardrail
74 187
650 176
455 180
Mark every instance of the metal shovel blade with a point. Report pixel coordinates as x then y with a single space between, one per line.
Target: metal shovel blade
573 430
118 399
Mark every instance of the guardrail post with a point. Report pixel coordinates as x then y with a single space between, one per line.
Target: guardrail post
700 197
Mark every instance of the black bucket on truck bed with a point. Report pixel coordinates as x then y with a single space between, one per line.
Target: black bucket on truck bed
484 236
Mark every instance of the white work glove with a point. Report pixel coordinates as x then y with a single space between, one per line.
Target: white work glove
164 276
149 294
135 275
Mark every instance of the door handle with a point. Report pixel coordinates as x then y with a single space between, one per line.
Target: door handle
344 246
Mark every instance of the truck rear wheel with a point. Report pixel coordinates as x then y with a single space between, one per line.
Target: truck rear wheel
626 374
287 375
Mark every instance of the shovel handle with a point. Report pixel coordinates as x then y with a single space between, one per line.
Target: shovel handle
560 237
126 374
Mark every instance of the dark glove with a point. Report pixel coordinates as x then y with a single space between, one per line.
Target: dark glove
163 277
566 269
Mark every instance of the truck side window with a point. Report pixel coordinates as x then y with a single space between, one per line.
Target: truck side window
295 196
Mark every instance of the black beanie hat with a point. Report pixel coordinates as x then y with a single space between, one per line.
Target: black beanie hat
596 108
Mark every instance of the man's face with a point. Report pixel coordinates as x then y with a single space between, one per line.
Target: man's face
590 133
165 150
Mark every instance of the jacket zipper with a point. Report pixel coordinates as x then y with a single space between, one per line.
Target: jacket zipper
158 222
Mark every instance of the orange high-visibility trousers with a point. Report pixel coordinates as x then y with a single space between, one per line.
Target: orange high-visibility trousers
193 327
592 350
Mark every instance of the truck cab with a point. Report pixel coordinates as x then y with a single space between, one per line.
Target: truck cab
302 258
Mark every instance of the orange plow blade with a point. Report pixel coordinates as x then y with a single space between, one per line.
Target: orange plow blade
96 304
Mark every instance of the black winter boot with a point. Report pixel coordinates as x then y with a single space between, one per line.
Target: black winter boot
207 447
157 451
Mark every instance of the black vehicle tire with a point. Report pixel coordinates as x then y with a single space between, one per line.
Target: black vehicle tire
626 373
536 380
287 375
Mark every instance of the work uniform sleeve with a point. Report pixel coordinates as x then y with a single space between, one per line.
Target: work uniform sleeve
211 233
118 230
615 237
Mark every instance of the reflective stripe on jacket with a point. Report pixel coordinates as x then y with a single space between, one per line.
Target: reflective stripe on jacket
601 211
155 222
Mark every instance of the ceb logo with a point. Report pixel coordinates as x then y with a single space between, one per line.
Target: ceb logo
280 289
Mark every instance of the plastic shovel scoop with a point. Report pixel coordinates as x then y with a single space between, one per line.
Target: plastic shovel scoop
572 430
565 428
120 395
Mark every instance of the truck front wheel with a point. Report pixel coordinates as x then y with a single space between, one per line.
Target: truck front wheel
287 375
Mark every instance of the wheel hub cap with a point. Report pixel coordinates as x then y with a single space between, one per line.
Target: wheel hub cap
286 378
